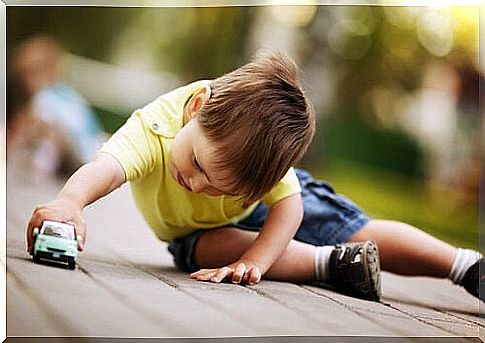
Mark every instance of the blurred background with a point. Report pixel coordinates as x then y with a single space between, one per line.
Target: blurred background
396 91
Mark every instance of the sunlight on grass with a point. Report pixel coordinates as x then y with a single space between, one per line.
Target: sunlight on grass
386 195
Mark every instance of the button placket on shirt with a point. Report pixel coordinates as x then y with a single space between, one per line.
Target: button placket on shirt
161 130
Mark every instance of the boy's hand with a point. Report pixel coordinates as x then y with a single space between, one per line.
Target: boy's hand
92 181
239 272
61 210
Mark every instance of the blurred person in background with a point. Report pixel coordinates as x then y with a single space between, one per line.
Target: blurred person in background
52 124
444 116
470 117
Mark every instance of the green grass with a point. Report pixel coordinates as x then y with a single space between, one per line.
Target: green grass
110 121
385 195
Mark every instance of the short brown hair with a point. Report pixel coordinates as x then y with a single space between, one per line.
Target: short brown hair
260 121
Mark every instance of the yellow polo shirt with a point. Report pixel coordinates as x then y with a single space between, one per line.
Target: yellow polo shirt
142 146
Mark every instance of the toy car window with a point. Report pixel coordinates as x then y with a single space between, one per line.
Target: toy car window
58 231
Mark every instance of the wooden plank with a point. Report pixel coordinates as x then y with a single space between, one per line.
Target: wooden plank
74 296
436 301
265 316
162 302
452 324
28 315
430 292
401 324
332 317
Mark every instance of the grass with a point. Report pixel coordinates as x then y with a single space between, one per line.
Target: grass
386 195
110 121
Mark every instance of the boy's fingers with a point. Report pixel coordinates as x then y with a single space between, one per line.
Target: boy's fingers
254 276
239 273
35 221
206 277
80 242
80 227
194 274
29 239
203 274
221 274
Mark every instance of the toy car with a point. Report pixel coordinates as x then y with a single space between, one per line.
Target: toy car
55 241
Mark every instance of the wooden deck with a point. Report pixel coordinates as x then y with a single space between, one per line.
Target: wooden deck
126 286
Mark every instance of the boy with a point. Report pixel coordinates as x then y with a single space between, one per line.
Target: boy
210 163
55 123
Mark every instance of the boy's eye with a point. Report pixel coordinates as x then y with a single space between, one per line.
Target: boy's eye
196 164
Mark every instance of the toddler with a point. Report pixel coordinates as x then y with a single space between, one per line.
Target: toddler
211 169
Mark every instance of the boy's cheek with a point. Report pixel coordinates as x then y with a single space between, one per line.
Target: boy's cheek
174 170
173 173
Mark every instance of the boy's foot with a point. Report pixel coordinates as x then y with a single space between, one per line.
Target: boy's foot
474 279
355 270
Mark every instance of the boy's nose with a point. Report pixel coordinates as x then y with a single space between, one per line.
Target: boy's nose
197 184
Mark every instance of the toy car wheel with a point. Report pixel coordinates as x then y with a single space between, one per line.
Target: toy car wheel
71 265
36 259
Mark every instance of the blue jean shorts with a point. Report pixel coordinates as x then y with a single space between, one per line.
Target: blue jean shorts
328 219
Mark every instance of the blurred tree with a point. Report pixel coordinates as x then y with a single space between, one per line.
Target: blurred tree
374 59
192 43
86 31
353 139
216 42
387 47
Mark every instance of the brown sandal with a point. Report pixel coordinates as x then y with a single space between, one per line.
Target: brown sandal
355 270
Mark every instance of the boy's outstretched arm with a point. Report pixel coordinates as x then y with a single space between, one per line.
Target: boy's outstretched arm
89 183
280 226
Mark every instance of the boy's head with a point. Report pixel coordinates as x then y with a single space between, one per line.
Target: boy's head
35 63
252 125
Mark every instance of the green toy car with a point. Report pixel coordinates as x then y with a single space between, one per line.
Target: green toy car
55 241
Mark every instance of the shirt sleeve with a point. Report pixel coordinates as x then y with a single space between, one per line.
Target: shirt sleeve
287 186
135 147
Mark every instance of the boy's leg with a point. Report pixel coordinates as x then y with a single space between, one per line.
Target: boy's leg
403 249
216 248
352 268
407 250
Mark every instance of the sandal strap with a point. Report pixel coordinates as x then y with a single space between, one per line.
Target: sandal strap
353 275
344 269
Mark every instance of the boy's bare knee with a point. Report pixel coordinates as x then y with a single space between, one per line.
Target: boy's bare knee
370 230
364 233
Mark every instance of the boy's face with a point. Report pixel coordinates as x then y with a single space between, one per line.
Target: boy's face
35 66
192 164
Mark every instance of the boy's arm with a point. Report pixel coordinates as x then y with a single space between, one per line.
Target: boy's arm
280 226
89 183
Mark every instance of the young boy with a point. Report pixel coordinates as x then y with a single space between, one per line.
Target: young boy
210 165
55 124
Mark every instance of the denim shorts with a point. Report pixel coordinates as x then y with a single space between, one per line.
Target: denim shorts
328 219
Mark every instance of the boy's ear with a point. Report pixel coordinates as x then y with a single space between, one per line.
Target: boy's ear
198 100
